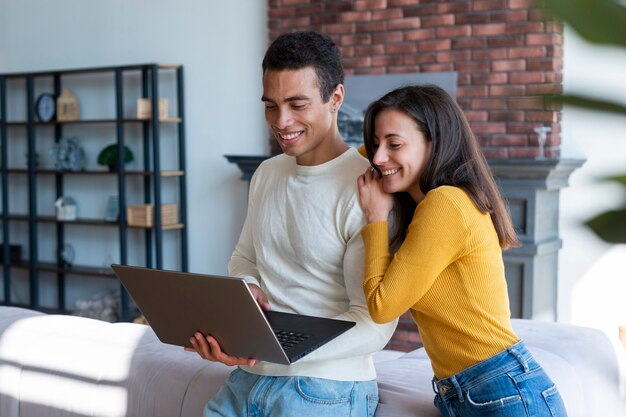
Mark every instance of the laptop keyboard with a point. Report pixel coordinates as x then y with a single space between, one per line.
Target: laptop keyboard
289 339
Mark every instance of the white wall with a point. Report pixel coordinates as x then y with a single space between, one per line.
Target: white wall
219 43
592 273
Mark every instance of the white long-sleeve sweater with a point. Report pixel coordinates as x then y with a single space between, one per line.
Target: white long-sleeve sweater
301 244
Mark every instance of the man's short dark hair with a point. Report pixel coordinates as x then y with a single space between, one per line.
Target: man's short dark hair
298 50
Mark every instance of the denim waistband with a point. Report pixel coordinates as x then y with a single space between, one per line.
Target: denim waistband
516 356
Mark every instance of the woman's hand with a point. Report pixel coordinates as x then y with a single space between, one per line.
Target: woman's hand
376 203
208 348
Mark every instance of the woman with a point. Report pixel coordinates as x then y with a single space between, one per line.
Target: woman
451 225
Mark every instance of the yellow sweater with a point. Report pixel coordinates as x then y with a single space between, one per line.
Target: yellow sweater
449 272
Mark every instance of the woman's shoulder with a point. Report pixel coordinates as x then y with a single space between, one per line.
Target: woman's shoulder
450 196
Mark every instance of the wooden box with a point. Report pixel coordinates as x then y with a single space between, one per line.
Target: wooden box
67 107
144 108
143 215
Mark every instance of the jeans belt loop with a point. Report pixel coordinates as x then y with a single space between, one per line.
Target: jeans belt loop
435 387
520 359
459 391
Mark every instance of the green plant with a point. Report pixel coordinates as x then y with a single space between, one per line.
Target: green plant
108 156
601 22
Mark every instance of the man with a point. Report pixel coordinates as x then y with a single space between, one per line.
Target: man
300 248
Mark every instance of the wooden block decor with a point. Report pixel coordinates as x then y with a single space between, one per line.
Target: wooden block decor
144 108
143 215
67 107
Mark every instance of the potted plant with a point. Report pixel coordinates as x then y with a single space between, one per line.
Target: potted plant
108 156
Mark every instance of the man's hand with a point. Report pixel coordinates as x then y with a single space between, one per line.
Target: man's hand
208 348
260 297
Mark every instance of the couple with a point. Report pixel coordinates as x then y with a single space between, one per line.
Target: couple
316 241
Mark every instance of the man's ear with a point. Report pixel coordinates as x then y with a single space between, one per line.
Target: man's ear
336 98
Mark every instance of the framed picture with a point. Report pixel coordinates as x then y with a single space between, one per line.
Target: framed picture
112 211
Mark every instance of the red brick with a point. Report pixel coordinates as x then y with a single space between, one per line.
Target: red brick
419 59
488 127
488 5
355 17
490 78
386 60
521 4
346 51
527 77
421 11
536 89
401 48
543 39
509 139
356 39
507 90
387 14
453 31
529 52
369 71
338 28
510 16
297 22
524 27
403 69
540 116
338 6
457 7
472 18
323 19
506 41
400 3
489 54
389 37
509 65
437 67
463 79
469 43
294 2
281 12
369 50
453 56
526 103
353 62
438 20
370 4
399 24
495 153
472 91
436 45
476 116
548 64
483 66
419 34
310 10
378 26
489 29
506 116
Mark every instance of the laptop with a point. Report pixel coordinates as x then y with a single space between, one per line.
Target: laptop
177 304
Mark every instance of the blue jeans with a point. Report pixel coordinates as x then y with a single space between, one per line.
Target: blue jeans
509 384
250 395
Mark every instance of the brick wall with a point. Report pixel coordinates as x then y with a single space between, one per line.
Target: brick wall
504 51
506 54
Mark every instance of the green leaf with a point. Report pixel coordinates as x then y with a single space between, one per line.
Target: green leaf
586 103
609 226
620 179
598 21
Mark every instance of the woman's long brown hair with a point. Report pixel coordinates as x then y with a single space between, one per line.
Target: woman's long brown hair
455 158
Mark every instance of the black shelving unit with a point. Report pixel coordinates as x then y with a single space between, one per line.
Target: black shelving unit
147 75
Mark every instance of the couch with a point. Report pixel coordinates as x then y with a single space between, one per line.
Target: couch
58 365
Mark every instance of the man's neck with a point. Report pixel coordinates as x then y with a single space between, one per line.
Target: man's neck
326 151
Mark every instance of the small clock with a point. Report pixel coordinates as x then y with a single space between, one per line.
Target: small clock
45 107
